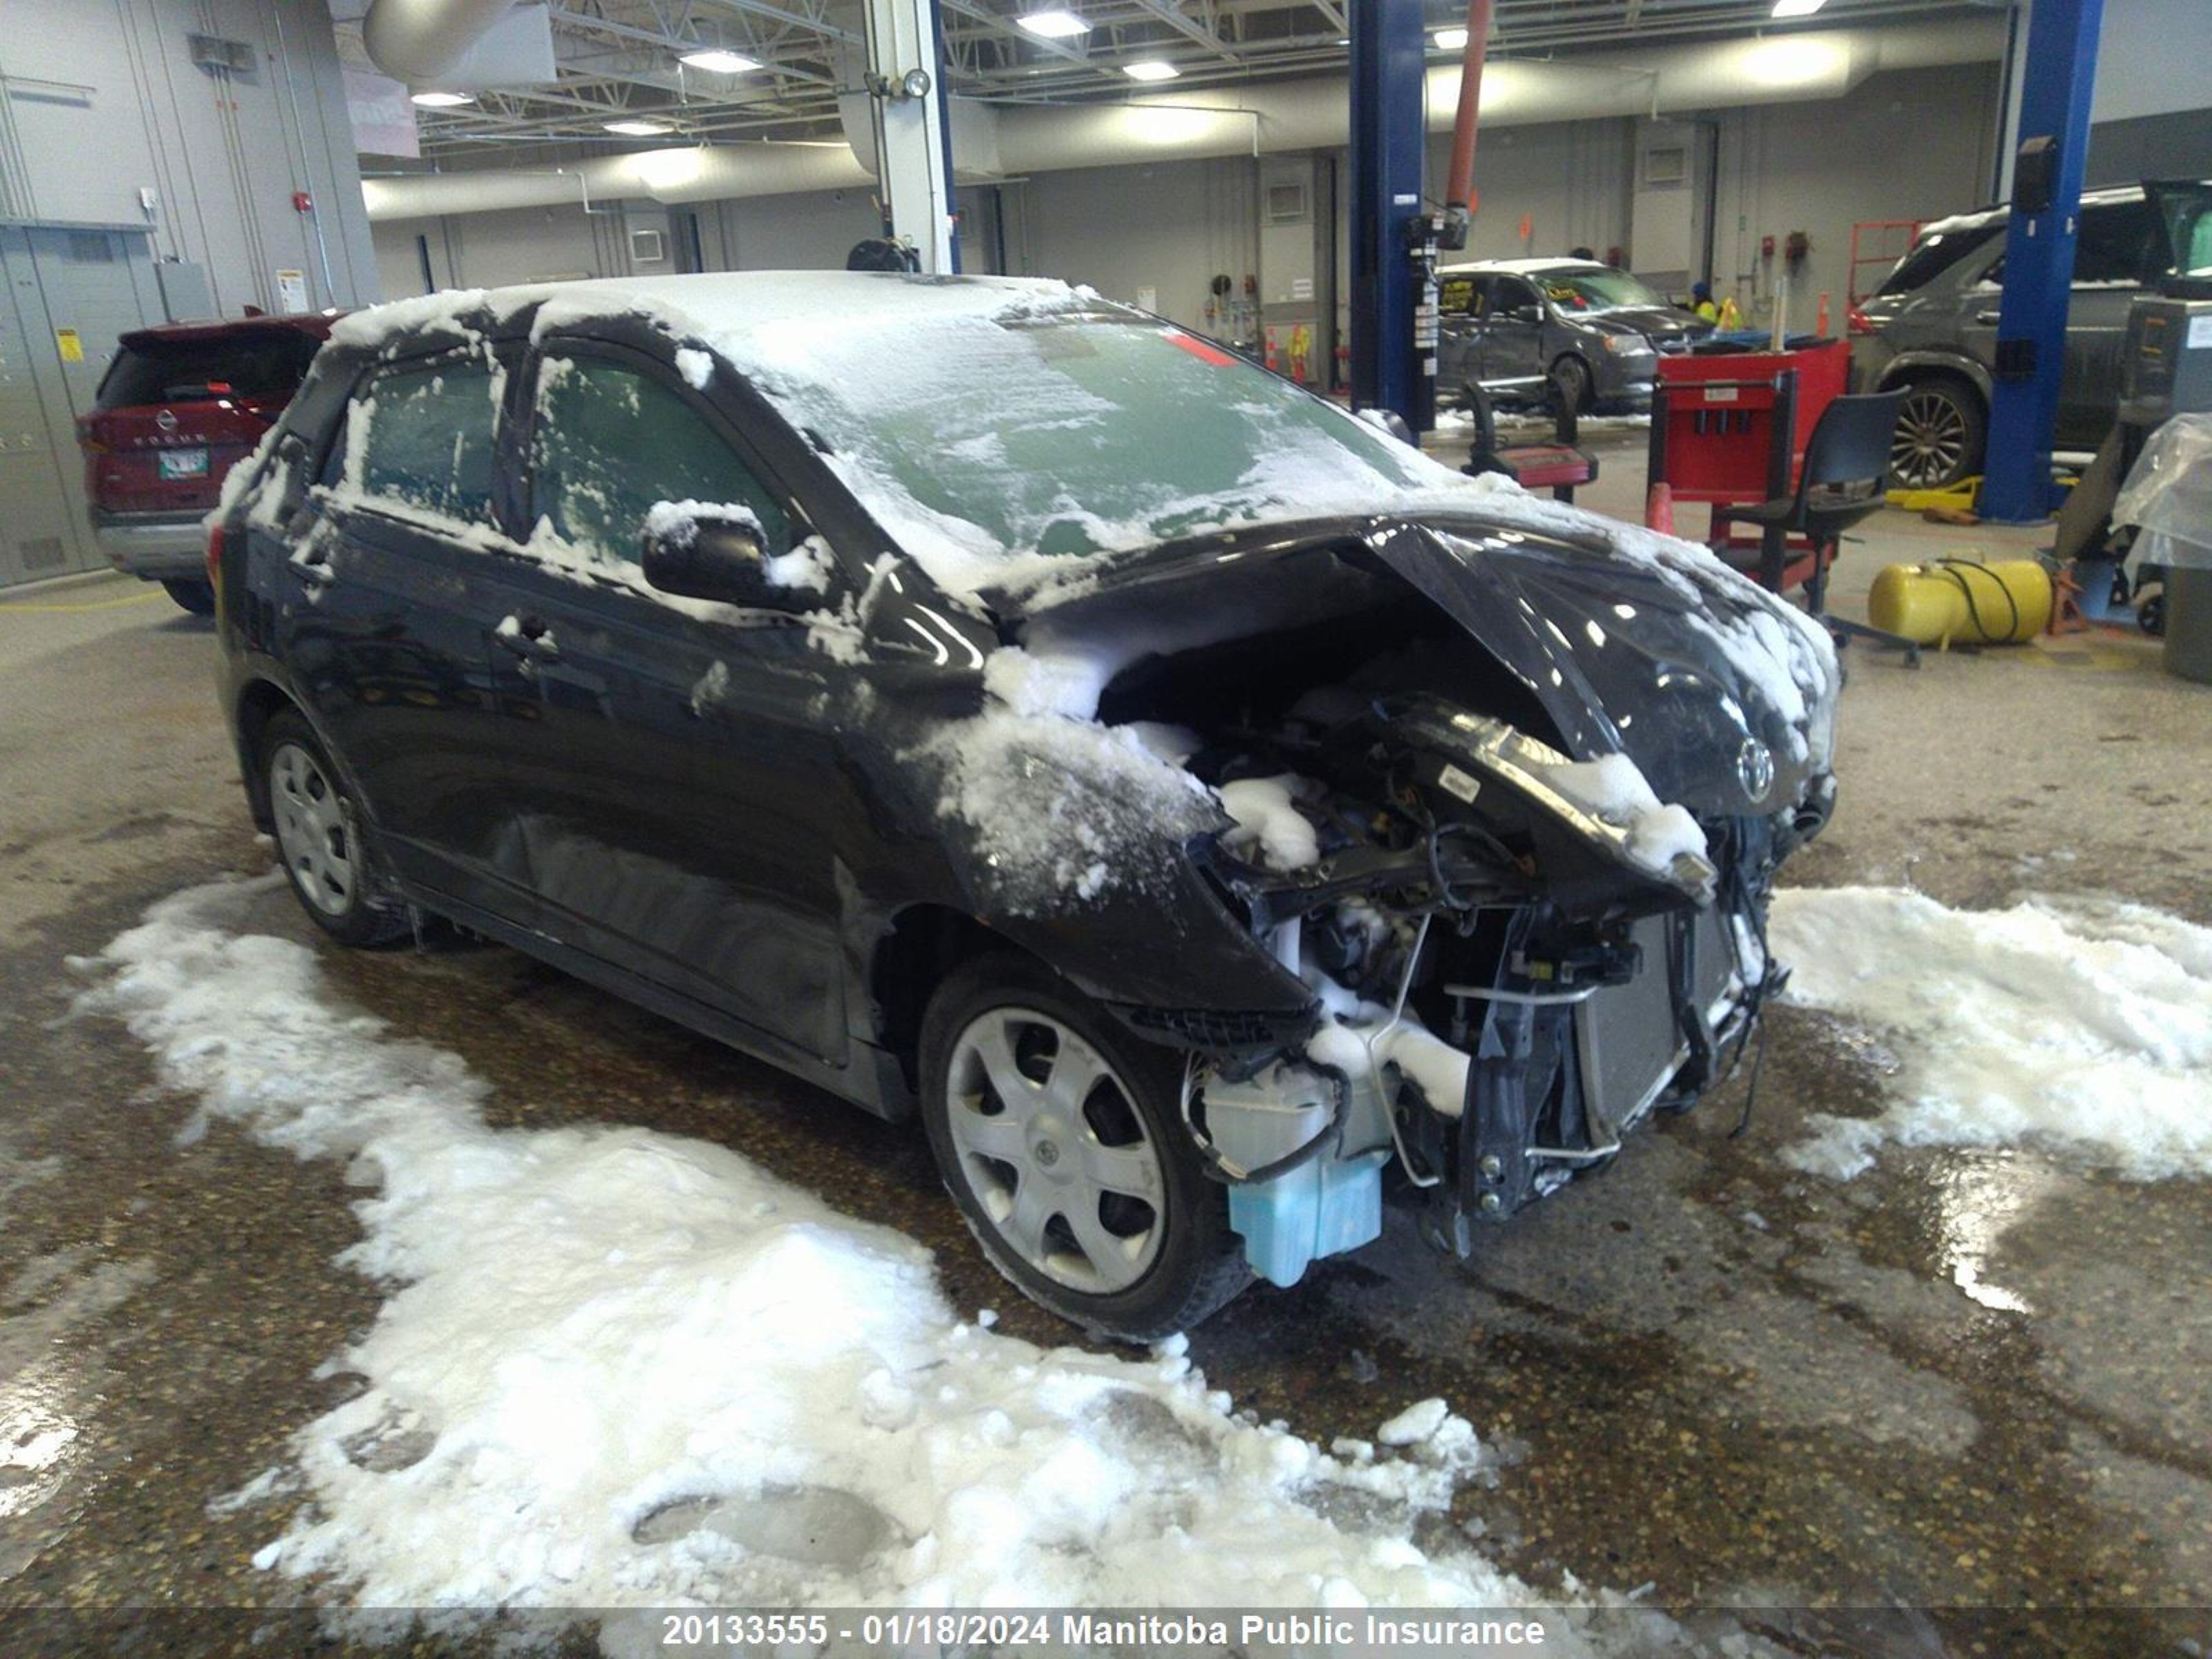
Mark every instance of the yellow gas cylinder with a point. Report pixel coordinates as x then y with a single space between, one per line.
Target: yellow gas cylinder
1956 599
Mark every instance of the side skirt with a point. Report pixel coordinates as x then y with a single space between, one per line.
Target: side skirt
875 1082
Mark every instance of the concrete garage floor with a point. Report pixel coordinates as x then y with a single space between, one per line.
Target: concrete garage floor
1706 1374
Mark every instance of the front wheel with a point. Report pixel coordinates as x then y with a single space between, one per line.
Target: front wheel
322 839
195 596
1058 1137
1568 385
1937 440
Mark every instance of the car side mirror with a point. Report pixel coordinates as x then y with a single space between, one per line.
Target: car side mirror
1390 422
716 558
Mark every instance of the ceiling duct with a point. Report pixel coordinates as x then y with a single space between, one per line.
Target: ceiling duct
419 41
994 141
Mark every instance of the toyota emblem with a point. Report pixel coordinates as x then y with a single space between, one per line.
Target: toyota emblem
1754 768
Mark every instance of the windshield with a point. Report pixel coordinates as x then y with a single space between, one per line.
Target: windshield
1576 290
1070 432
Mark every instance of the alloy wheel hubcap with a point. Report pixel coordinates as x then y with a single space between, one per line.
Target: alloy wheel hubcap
1930 440
1056 1154
313 830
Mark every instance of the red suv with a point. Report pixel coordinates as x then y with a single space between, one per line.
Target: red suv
178 406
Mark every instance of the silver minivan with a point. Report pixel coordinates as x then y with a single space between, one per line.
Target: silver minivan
1932 327
1583 332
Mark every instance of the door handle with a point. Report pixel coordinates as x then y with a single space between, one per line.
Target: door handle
310 569
529 638
1988 318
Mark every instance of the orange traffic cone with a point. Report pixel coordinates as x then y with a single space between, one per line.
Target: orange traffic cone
1659 508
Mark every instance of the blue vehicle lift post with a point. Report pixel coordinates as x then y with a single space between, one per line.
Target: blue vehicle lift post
1394 327
2061 66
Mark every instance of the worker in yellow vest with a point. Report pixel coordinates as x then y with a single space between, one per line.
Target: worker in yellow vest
1701 301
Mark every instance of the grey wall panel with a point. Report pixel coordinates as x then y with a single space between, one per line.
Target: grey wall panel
104 101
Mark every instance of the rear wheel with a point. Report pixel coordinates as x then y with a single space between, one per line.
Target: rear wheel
321 838
1058 1135
1937 442
196 596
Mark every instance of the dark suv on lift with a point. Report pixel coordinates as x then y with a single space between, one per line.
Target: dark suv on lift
1932 327
179 406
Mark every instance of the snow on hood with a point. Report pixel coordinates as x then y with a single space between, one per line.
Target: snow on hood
617 1368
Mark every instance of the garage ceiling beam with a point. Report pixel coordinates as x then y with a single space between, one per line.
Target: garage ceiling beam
1172 14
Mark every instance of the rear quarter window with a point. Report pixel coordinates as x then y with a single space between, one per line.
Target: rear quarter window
1935 253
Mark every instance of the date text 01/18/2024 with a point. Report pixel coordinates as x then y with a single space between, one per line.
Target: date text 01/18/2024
1151 1631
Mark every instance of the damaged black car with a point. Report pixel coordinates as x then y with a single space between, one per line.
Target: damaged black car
994 704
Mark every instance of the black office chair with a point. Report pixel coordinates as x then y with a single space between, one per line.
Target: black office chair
1845 479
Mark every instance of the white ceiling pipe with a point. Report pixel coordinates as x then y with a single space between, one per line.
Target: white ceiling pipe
1288 115
707 174
418 40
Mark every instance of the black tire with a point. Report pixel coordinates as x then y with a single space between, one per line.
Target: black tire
2150 613
1941 428
194 595
323 841
1197 1264
1568 385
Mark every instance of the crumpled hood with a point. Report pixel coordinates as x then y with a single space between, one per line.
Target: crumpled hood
1630 641
1679 668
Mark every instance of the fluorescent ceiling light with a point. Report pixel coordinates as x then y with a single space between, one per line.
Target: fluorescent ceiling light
715 61
1054 25
444 99
1151 69
640 129
1797 7
1455 39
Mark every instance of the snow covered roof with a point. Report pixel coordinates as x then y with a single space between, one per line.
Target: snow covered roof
726 307
1982 215
1524 267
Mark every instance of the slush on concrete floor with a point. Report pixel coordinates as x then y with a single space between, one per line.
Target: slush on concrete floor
1969 1377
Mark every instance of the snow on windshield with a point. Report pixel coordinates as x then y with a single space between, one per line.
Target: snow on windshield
1002 429
617 1368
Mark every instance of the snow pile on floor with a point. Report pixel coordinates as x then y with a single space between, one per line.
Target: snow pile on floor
2083 1028
619 1367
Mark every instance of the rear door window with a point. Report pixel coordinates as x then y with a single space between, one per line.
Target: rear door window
609 442
421 440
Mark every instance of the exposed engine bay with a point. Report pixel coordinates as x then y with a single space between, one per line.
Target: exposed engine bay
1516 956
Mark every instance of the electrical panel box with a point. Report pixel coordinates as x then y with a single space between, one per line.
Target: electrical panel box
185 291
